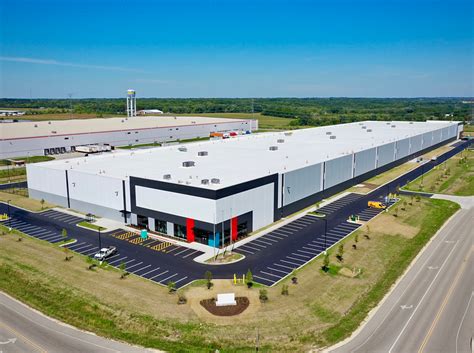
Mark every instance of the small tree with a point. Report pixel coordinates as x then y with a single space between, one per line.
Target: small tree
123 269
411 200
325 266
356 240
181 298
340 252
249 279
418 198
208 276
284 290
263 295
395 212
294 279
42 203
66 254
171 287
64 234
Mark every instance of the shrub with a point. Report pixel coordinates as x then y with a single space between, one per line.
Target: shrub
181 298
284 290
208 276
171 287
249 279
340 252
325 266
263 295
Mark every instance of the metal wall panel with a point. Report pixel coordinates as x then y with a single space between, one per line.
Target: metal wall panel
301 183
337 171
403 148
415 144
427 140
436 136
365 161
48 180
385 154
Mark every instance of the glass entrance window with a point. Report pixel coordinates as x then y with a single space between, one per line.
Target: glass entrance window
242 230
160 226
179 231
142 221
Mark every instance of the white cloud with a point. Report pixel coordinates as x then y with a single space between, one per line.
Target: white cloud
63 63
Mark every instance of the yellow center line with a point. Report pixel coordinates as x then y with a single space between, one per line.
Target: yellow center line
445 301
28 341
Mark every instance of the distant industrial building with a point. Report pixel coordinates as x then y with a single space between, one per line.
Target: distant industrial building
149 112
23 139
231 187
12 113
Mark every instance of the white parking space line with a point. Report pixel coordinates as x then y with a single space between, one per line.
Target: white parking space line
292 227
260 241
306 252
195 251
270 274
265 279
113 256
314 247
83 247
240 248
270 235
155 269
89 251
280 234
274 269
159 274
142 268
176 247
300 255
169 277
181 279
336 237
182 251
129 262
49 237
77 244
269 239
252 243
291 263
137 264
280 230
295 259
27 228
287 267
118 260
38 232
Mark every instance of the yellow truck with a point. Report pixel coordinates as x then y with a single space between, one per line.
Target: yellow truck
376 204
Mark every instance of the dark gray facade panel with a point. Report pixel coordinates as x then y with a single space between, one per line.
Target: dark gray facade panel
427 140
385 154
337 171
403 148
415 143
301 183
365 161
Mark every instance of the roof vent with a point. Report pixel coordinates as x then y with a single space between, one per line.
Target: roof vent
369 130
280 141
215 181
288 133
273 148
49 122
167 176
202 153
364 127
188 164
393 125
182 149
328 133
205 181
411 122
333 137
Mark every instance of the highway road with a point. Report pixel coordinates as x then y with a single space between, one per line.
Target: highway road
431 309
25 330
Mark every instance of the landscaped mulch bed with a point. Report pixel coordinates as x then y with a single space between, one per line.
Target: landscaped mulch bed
231 310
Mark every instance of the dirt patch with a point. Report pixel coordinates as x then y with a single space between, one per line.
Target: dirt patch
392 226
228 310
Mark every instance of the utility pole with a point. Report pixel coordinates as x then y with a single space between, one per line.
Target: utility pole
9 216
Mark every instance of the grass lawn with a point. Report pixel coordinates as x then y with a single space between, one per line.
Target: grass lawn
91 226
264 122
12 173
21 200
454 177
321 309
468 130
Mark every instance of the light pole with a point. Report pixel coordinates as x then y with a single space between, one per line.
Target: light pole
100 242
9 216
325 232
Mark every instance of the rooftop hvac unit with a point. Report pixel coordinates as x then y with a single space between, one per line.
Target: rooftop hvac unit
364 127
369 130
273 148
288 133
280 141
188 164
215 181
182 149
203 153
328 133
205 181
332 137
393 125
167 176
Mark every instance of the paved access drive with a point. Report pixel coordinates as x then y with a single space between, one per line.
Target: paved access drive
432 307
25 330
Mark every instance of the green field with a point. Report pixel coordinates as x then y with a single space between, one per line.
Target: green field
454 177
99 301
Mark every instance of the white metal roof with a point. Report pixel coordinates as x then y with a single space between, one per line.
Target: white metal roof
84 126
247 157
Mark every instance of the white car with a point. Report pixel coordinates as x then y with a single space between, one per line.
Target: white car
104 253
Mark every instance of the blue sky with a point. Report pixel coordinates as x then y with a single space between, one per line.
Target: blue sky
363 48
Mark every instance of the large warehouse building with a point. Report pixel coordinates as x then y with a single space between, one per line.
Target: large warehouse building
194 191
33 138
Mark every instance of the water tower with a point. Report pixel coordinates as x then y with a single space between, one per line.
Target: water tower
131 103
